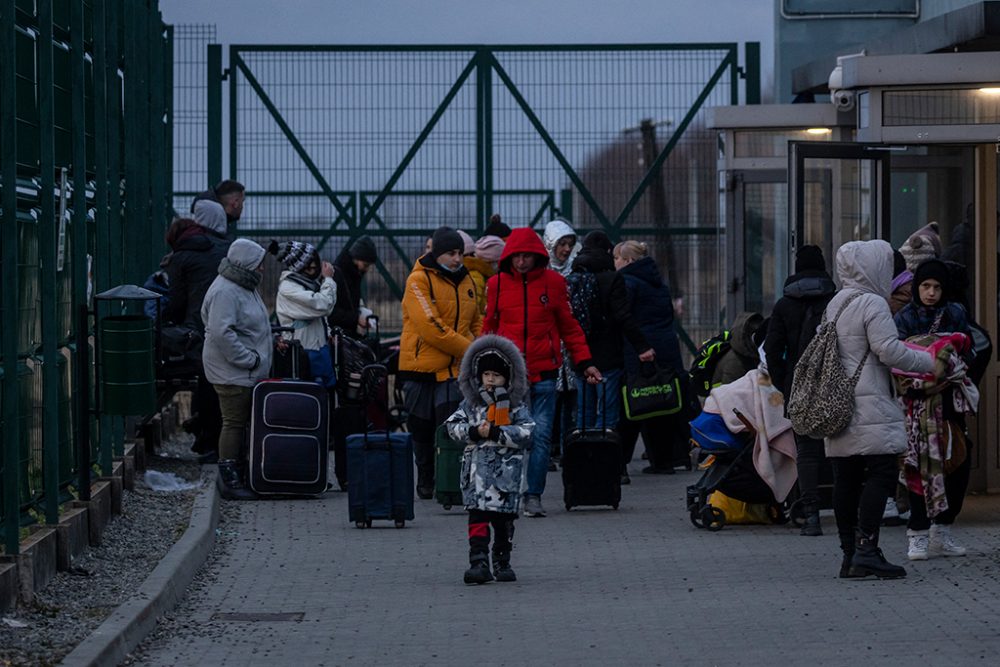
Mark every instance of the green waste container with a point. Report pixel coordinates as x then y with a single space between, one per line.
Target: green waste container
128 378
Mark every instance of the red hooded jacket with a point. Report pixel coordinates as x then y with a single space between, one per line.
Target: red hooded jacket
532 309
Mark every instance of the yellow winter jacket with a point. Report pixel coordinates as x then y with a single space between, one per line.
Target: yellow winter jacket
440 319
481 271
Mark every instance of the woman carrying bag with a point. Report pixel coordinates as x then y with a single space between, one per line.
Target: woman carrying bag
665 436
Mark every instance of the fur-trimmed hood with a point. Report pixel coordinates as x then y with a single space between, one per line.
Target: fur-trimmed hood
517 383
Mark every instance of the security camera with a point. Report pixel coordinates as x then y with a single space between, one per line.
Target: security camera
842 99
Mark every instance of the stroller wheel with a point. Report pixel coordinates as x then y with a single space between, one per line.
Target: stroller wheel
696 517
713 518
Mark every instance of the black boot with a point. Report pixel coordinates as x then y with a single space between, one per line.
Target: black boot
811 527
868 559
231 481
479 569
501 566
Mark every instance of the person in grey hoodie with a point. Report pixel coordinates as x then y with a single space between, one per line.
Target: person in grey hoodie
237 354
864 455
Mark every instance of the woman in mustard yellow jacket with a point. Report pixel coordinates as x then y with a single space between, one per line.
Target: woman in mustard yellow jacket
440 319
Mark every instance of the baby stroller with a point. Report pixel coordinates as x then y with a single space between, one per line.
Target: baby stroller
727 459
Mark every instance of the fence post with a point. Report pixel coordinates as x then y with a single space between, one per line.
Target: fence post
484 137
8 295
751 63
214 98
48 243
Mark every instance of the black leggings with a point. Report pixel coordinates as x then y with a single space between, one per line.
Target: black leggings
808 461
861 485
955 486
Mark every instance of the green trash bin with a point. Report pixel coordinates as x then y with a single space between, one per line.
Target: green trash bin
447 469
128 378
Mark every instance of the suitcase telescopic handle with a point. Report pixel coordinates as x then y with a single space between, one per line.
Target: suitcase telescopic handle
601 402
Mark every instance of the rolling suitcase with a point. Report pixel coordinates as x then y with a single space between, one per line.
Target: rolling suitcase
591 465
447 469
289 427
288 438
379 476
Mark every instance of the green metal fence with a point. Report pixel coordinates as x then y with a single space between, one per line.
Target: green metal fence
337 141
85 116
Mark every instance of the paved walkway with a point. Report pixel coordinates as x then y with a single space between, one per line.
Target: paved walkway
639 586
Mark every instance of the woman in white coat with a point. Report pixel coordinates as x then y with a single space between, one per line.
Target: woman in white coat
307 294
864 455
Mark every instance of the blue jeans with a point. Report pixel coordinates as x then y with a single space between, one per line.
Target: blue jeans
543 409
602 404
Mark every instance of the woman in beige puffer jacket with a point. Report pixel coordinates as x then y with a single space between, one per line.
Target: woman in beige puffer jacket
864 455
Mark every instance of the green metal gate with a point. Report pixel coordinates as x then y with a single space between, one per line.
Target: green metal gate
334 142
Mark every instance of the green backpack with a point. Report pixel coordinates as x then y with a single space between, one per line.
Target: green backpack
705 360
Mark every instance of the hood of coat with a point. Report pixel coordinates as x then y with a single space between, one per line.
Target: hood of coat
744 326
554 231
210 215
809 285
517 383
866 266
593 260
523 239
644 269
246 254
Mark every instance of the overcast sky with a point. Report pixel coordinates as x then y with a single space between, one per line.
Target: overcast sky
482 21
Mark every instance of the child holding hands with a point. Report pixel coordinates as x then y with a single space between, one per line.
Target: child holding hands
496 426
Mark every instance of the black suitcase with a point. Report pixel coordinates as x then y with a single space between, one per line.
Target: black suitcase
591 465
289 435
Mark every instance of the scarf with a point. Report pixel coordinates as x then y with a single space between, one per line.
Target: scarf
303 280
498 406
243 277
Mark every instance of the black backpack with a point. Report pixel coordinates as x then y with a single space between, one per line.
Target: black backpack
706 359
584 299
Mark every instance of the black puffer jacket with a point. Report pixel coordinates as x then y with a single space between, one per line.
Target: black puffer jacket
348 279
611 318
193 266
793 323
653 310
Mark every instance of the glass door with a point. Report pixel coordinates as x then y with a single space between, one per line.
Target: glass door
838 192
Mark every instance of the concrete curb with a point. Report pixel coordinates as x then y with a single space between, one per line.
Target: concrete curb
129 624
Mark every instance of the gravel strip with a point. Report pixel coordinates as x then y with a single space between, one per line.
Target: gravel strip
77 602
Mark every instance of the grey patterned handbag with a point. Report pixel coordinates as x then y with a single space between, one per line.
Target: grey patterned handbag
821 402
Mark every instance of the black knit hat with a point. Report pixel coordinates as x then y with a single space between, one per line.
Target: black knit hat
446 239
492 361
364 249
497 227
933 269
598 240
809 258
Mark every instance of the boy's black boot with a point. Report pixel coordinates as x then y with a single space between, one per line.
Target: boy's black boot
868 559
501 566
479 568
231 481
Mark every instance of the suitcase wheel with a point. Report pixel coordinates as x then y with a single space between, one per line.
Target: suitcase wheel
713 518
568 507
400 523
447 507
615 506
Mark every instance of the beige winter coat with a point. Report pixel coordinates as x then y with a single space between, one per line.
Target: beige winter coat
877 425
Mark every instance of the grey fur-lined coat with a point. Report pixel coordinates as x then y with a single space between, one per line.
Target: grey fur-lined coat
493 471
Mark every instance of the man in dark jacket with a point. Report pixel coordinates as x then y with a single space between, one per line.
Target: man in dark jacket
527 302
600 304
350 268
793 324
193 266
230 194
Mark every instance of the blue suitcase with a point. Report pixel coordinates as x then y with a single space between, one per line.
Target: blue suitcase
380 477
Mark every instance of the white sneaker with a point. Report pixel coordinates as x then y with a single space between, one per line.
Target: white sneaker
890 516
918 544
533 506
942 543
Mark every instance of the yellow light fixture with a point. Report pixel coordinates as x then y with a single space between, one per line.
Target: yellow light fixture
819 130
990 91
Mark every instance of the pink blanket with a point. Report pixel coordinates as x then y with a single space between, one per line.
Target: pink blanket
764 407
